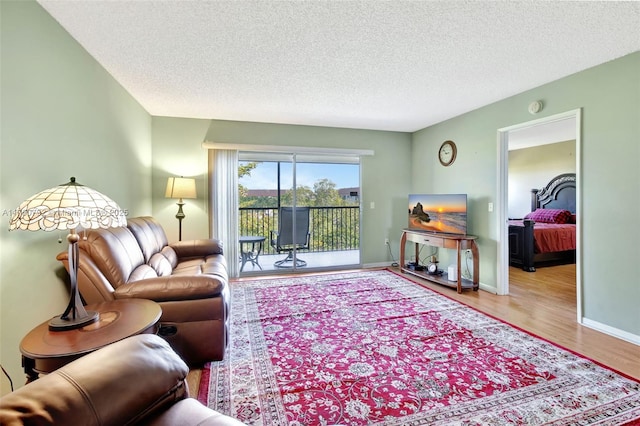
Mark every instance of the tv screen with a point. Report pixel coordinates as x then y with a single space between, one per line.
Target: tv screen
446 213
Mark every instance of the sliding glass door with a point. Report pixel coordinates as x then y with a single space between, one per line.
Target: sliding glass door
298 212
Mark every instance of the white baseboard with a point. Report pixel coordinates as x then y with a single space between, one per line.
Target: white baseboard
488 288
612 331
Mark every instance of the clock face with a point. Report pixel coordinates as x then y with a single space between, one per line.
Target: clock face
447 153
432 268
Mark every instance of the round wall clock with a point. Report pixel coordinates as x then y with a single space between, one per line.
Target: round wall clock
447 153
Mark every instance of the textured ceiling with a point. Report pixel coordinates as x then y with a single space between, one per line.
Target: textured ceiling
385 65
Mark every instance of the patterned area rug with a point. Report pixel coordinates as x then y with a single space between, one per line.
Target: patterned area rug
375 348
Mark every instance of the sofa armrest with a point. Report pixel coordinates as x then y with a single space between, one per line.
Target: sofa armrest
119 384
190 412
173 288
197 248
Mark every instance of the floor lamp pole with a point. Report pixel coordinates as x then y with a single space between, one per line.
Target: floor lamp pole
180 215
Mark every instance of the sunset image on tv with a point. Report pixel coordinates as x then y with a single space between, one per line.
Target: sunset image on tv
445 213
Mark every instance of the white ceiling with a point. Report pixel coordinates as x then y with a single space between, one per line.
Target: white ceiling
384 65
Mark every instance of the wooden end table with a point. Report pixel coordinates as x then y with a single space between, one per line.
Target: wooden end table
44 351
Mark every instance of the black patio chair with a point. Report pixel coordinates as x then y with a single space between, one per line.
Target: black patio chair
282 240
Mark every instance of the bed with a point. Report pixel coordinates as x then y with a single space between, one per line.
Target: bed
547 235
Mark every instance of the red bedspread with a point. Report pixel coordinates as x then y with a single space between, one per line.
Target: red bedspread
550 237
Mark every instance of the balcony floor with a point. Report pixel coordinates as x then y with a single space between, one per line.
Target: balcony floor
315 260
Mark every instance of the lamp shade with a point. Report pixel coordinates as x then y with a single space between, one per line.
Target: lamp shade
67 207
180 187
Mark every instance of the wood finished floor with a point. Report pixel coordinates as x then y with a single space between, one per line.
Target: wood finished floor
543 303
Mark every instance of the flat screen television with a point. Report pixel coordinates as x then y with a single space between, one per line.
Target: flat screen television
443 213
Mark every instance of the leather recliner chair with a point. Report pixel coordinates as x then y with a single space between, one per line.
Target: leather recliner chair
188 279
136 381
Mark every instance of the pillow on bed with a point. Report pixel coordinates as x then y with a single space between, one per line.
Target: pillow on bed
550 216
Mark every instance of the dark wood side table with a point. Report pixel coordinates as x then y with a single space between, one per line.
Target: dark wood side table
44 351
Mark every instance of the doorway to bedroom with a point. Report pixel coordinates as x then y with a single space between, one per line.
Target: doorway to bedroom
533 154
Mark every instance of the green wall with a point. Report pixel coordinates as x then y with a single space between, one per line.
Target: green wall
177 151
384 175
534 167
609 96
62 115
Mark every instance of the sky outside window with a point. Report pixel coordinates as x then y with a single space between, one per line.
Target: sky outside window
264 176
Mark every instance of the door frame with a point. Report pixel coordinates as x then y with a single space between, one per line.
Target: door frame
502 217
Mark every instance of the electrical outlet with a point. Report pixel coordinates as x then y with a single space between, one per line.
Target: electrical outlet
386 241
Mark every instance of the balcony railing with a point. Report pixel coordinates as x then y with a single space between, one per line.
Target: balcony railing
331 228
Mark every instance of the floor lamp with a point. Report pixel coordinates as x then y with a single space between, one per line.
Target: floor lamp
180 187
68 207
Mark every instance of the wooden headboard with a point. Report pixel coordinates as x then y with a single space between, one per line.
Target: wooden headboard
559 193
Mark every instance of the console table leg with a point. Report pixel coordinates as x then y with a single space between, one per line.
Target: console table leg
476 266
459 271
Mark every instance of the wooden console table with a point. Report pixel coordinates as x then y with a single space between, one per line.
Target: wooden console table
44 351
447 241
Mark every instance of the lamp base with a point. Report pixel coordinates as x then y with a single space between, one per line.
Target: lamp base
60 324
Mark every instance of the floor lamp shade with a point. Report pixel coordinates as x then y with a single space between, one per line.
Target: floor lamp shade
180 187
68 207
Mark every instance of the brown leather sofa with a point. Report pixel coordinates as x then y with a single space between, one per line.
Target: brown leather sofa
188 279
136 381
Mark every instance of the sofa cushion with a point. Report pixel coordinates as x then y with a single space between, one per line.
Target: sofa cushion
142 272
160 264
170 254
160 289
211 265
115 251
149 233
215 265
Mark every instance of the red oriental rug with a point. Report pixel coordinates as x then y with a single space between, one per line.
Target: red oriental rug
375 348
